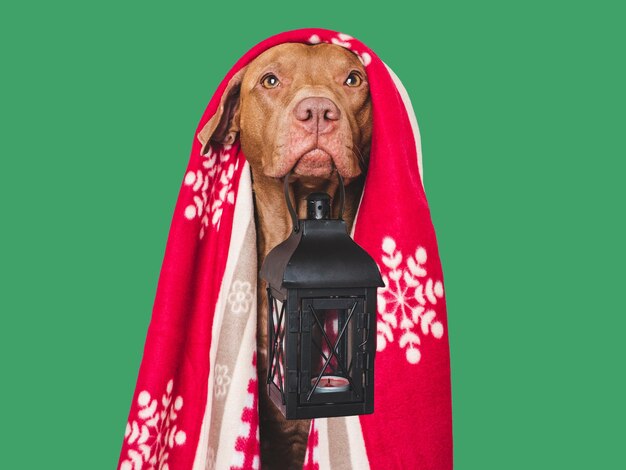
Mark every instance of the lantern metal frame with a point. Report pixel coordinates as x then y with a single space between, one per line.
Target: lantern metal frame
291 320
317 269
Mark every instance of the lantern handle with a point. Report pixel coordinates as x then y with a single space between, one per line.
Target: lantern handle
342 195
292 211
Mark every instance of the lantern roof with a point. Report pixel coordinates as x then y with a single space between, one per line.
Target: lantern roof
320 254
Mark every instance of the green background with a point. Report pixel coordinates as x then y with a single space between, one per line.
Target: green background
521 110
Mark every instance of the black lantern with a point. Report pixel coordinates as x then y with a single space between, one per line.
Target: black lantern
322 317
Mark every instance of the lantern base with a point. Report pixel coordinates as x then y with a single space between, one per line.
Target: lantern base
322 408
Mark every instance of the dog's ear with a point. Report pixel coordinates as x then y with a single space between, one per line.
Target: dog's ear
223 127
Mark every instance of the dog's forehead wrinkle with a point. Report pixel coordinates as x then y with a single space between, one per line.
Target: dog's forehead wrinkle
304 59
341 58
281 54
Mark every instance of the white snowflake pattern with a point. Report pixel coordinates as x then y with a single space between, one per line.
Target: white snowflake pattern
154 433
344 40
222 380
212 187
240 297
407 301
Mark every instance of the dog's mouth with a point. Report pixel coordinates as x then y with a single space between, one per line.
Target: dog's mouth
317 163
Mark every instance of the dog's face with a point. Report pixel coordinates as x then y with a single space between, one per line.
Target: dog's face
299 107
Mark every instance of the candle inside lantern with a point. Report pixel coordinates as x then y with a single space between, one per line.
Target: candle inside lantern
331 383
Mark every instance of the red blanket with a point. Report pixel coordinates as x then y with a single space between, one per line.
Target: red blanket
195 403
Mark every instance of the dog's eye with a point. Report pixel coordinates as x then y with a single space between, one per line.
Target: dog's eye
353 80
270 81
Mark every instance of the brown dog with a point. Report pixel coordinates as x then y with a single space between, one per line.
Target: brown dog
306 109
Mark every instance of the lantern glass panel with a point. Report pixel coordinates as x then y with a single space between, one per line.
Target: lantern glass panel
326 326
333 345
277 343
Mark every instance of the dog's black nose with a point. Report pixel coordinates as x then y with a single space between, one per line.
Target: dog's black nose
317 114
